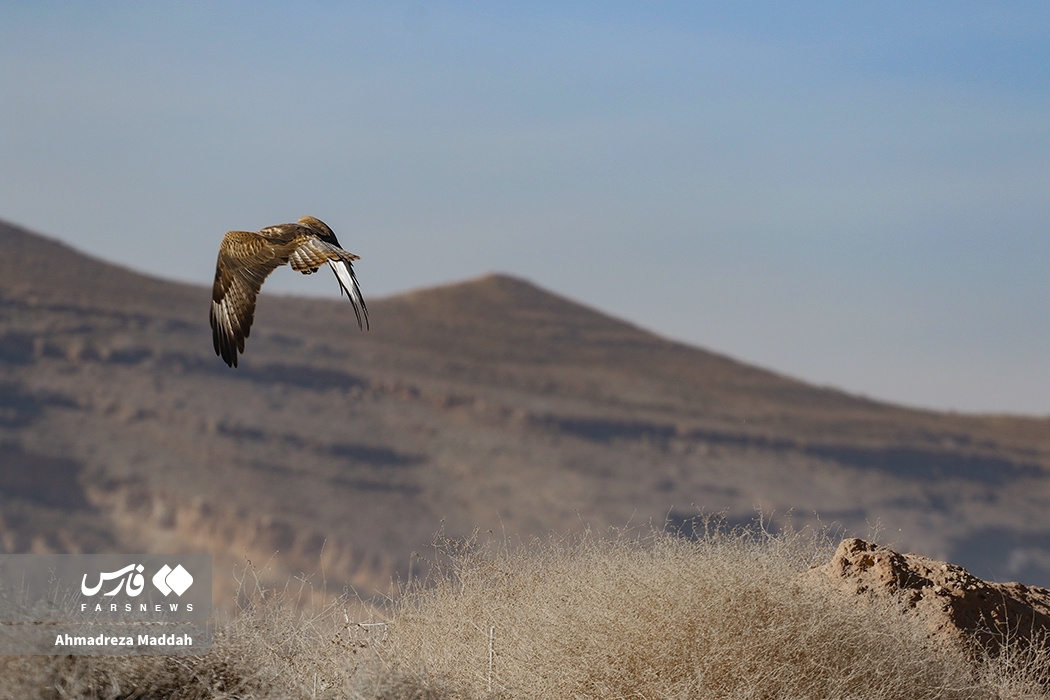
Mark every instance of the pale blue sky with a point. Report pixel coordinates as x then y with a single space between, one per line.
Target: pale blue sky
856 194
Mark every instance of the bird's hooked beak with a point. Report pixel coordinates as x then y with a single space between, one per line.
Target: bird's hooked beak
317 225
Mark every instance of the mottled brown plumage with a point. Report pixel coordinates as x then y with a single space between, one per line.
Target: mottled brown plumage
246 259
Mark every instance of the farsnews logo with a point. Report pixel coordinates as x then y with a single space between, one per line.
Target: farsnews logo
118 603
169 580
130 578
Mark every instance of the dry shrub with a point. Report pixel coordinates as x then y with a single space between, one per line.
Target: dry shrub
1020 670
725 616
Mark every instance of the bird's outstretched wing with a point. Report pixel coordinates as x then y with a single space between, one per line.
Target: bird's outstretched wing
311 252
344 272
245 260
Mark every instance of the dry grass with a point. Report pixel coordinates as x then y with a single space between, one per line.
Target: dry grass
726 616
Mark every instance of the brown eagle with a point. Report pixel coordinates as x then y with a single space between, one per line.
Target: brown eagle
246 259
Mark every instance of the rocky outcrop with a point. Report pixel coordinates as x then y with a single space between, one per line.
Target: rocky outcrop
956 606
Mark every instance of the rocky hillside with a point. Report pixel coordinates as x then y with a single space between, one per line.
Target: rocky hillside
489 404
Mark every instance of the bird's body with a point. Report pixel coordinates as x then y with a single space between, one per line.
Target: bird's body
247 258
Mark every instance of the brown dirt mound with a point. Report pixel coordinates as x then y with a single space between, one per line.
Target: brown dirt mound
955 605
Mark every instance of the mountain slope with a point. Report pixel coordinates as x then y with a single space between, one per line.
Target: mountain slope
488 404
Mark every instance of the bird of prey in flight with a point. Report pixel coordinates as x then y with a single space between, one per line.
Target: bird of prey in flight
245 260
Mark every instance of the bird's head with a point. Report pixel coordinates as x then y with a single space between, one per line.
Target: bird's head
317 225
